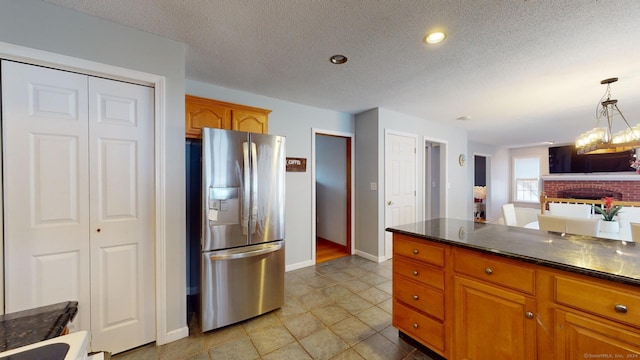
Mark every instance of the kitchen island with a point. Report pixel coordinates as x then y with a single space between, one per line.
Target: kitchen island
467 290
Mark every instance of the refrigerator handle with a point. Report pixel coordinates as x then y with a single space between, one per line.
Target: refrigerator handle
243 255
254 187
246 189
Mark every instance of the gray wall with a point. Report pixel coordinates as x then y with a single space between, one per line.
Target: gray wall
38 25
331 188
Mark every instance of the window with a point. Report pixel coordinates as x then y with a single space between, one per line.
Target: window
526 174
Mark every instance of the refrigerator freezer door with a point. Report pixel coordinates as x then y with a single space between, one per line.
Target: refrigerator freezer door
223 184
267 188
241 283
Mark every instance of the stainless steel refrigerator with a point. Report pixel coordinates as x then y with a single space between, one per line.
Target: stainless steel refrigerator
242 262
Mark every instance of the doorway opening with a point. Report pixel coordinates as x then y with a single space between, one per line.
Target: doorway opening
333 196
480 188
434 179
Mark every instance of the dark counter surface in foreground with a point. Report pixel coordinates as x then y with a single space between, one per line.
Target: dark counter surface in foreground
31 326
613 260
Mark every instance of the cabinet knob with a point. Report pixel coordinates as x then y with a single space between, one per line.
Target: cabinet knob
415 251
416 297
98 230
415 273
415 325
488 271
620 308
529 315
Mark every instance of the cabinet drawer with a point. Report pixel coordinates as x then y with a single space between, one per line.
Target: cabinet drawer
429 301
420 272
599 300
423 251
428 331
495 270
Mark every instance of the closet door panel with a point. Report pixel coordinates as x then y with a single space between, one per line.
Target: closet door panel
45 178
122 199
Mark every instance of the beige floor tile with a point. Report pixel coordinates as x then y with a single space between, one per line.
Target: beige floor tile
216 337
313 300
355 271
323 344
292 308
298 289
330 314
304 325
352 330
270 339
291 351
375 317
377 347
260 322
374 295
348 355
320 281
355 285
386 305
386 287
354 303
336 292
181 349
241 349
373 279
148 352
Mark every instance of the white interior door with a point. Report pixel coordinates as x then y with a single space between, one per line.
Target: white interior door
400 183
78 185
121 199
46 188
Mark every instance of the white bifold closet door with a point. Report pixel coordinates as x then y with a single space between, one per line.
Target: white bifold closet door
78 187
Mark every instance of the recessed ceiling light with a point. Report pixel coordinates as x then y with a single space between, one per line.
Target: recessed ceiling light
434 37
338 59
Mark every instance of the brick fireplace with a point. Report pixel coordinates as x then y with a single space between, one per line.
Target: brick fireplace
595 188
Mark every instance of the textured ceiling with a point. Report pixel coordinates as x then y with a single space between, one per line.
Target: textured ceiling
524 71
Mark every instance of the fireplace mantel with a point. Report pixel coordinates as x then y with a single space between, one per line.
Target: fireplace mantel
593 177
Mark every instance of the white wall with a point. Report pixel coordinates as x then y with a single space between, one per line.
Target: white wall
43 26
331 188
370 132
294 121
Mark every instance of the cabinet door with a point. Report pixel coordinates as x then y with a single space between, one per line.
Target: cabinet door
200 112
250 121
492 323
579 337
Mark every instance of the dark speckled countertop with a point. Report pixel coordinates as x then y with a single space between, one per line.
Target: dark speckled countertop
31 326
613 260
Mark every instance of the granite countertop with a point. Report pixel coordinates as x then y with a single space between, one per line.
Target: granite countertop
31 326
613 260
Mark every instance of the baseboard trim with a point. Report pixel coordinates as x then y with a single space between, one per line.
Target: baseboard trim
370 257
299 265
177 334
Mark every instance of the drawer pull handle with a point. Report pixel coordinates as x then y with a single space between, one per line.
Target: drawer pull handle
415 251
529 315
488 271
622 309
415 325
416 297
415 273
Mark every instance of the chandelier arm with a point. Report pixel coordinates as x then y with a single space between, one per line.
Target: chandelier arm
625 121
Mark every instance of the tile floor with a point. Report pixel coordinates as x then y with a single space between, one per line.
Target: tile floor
340 309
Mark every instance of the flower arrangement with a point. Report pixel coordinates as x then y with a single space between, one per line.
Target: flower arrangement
609 211
636 165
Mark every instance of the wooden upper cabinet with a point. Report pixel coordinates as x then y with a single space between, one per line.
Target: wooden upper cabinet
202 112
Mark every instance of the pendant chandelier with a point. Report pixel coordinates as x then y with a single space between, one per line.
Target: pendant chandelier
601 140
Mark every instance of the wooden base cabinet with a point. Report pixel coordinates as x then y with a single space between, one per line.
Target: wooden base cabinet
582 337
471 305
492 323
202 112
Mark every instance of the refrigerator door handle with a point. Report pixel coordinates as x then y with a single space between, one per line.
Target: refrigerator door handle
246 184
254 187
232 255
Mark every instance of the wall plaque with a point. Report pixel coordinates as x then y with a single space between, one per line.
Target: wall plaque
296 164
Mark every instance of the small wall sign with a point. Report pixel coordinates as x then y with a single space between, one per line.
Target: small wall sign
296 164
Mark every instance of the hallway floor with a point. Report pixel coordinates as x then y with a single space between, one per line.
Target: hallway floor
340 309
